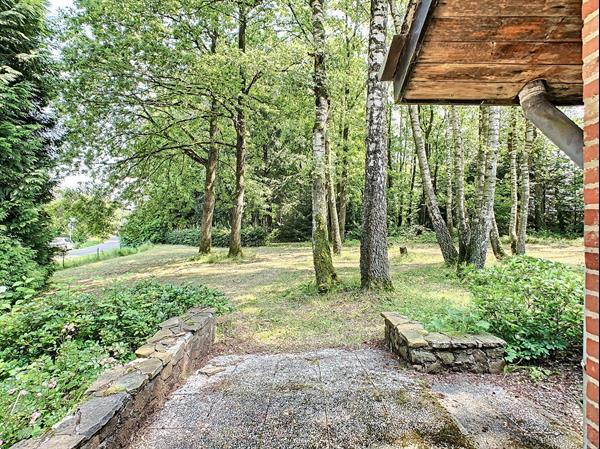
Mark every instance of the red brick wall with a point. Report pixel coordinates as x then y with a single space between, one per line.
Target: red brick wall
590 156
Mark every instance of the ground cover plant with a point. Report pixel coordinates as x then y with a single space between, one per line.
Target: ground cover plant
536 305
54 345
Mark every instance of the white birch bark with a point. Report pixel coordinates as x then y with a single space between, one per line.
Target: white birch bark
374 264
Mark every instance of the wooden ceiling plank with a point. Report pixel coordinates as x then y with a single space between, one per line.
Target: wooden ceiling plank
523 29
561 53
515 73
499 8
485 92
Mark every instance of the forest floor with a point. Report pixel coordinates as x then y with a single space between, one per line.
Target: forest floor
277 308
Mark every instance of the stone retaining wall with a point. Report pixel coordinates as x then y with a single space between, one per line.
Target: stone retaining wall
121 399
435 352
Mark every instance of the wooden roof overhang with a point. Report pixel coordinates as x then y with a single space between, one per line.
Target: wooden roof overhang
485 51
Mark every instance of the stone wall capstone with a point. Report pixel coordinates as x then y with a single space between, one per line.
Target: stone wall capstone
434 352
120 399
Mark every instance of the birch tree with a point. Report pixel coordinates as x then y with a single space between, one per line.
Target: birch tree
514 182
525 194
482 227
442 234
464 231
322 259
374 264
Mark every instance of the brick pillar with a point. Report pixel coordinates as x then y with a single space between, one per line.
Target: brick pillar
590 180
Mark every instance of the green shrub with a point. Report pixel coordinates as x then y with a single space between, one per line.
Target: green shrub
534 304
20 275
54 345
190 237
251 237
137 231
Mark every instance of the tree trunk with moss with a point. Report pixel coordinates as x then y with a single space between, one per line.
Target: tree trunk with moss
374 264
322 259
522 234
444 238
481 230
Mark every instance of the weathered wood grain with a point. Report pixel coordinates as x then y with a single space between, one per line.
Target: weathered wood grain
513 73
505 29
493 93
559 53
504 8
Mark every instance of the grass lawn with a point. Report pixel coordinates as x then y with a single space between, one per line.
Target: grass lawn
276 304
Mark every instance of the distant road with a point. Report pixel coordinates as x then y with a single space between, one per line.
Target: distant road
110 244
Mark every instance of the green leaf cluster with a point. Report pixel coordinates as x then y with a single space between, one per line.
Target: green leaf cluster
536 305
54 345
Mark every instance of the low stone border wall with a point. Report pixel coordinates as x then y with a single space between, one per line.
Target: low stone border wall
435 352
121 399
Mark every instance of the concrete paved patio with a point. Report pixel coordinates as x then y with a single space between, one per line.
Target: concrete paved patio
341 399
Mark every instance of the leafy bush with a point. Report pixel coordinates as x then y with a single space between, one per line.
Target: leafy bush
251 236
54 345
190 237
20 275
137 231
536 305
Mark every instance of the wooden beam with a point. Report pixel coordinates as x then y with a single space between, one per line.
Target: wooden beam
506 8
388 69
512 73
560 53
485 92
507 29
418 16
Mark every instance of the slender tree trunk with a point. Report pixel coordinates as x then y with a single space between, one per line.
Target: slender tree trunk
396 16
514 182
539 201
413 175
481 232
208 206
390 180
439 225
336 238
235 240
322 259
342 193
480 165
449 187
529 138
374 264
464 231
495 239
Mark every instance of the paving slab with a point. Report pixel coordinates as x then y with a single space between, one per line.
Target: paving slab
495 418
337 399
